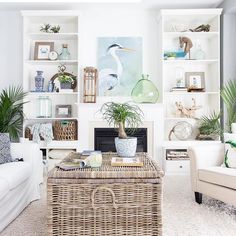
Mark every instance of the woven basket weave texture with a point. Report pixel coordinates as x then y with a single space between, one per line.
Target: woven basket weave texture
106 201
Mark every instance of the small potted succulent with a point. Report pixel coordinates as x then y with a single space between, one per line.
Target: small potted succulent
122 115
66 81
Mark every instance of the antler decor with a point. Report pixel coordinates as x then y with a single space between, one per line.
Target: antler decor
188 112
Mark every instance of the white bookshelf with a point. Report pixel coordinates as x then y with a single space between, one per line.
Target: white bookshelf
210 99
69 34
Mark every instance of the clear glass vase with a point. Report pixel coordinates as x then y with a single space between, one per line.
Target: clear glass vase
64 55
145 91
44 107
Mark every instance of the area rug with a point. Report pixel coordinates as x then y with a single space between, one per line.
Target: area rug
181 215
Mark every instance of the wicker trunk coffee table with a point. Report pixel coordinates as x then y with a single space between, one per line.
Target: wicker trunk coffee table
106 201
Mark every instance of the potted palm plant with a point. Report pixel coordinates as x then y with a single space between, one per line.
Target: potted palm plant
228 94
210 128
11 111
122 115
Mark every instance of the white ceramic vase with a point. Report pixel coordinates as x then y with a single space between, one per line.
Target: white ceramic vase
126 147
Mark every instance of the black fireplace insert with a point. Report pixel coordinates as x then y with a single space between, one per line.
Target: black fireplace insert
104 139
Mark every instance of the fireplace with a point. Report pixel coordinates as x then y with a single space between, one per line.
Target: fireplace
104 139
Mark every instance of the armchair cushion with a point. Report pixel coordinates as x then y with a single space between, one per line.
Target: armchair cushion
225 177
15 173
5 153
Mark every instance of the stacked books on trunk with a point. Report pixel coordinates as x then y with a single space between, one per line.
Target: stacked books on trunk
180 154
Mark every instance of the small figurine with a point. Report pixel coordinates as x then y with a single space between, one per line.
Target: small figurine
186 43
201 28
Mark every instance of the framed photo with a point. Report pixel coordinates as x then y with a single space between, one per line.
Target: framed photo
195 81
42 50
63 111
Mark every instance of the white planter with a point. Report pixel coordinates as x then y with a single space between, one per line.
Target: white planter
126 147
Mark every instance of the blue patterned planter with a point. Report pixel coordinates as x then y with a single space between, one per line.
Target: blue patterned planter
126 147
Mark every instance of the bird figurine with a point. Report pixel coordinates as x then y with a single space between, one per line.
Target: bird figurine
109 78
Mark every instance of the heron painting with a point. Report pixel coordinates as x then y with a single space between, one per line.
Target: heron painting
119 65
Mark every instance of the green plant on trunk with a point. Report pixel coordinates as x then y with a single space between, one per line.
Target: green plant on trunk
11 111
228 94
122 115
65 79
210 125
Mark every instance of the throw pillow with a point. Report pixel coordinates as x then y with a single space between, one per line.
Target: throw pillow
230 154
5 151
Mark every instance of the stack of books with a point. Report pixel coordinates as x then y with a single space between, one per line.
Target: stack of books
177 155
179 89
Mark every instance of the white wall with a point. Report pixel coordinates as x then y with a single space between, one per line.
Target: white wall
10 48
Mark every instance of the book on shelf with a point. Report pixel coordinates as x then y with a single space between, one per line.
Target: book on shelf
66 91
179 89
126 161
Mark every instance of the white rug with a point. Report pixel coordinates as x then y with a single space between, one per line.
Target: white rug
181 215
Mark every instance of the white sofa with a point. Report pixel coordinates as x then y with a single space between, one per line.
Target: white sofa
207 175
20 181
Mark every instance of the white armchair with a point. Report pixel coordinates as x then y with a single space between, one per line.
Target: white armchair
208 176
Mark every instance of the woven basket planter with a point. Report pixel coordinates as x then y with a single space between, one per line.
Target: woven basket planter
106 201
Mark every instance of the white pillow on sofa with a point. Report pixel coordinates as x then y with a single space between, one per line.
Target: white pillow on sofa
230 154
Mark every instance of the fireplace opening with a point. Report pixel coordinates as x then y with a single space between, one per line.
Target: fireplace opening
104 139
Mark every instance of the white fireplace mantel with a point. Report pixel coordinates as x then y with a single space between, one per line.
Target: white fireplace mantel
90 118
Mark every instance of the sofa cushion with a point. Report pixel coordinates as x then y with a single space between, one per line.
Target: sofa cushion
218 175
4 188
15 173
5 151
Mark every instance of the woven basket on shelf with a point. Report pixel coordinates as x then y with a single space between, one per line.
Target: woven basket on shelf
65 130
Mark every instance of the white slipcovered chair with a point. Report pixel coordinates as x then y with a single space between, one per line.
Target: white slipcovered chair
208 176
20 181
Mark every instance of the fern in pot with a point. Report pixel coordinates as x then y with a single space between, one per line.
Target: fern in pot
122 115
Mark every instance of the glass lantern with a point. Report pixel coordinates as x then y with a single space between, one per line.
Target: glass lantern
44 107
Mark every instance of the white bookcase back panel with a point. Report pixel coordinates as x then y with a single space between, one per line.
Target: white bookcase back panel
68 24
208 102
212 79
183 22
48 72
31 108
208 45
72 47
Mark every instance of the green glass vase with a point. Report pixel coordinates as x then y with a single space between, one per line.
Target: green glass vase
145 91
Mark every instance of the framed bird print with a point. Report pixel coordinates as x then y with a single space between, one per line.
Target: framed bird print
119 65
42 50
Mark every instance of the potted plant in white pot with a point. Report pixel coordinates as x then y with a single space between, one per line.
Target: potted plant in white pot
122 115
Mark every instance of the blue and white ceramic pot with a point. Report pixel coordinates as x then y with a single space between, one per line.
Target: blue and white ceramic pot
126 147
39 81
